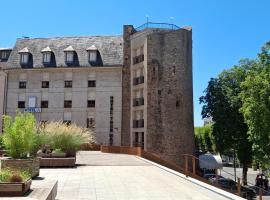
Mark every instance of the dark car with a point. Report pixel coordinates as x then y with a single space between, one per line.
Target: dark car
231 185
211 176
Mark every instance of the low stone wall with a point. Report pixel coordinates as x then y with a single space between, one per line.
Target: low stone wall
31 165
122 149
57 162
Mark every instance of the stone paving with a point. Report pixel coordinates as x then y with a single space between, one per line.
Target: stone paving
102 176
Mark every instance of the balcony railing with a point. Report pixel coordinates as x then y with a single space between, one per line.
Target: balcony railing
138 101
157 25
138 59
138 123
138 80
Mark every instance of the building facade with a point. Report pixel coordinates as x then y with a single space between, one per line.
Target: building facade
160 90
135 89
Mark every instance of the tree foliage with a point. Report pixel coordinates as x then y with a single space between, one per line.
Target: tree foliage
222 102
204 139
256 105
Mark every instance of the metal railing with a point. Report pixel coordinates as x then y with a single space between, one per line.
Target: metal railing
138 80
157 25
138 59
138 123
138 101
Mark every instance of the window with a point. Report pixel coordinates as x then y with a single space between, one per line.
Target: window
22 84
91 103
67 104
24 58
4 55
45 84
21 104
44 104
91 83
46 57
67 122
68 84
90 123
69 56
92 56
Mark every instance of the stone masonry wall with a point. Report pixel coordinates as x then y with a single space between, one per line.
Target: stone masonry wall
170 130
3 78
128 30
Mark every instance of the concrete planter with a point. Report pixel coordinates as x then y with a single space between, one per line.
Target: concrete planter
14 189
31 165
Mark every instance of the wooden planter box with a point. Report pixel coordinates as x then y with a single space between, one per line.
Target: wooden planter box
31 165
58 155
14 189
2 152
57 162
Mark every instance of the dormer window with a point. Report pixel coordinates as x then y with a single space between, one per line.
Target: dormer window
47 54
24 56
69 54
47 57
92 54
4 54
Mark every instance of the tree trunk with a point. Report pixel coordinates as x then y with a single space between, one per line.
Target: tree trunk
244 173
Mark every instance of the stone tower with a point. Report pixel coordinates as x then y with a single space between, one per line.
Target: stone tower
157 82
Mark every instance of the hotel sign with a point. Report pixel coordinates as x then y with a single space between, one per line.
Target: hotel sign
33 110
32 105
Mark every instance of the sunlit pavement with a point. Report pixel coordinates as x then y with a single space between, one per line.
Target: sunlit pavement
101 176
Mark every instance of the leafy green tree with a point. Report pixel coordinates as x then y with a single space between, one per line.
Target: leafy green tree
256 106
222 102
204 139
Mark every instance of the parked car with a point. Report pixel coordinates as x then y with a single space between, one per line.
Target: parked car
231 185
212 176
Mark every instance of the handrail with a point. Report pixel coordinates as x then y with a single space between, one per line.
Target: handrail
157 25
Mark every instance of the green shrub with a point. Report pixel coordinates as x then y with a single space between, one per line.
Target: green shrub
66 137
19 136
57 151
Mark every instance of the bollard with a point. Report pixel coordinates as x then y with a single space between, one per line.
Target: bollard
260 194
186 165
238 186
194 165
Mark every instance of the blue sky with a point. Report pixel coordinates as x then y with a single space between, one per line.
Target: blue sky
224 31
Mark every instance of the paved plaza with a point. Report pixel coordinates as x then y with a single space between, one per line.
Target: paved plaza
101 176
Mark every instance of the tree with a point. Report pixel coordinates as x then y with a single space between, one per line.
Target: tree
204 139
256 106
222 102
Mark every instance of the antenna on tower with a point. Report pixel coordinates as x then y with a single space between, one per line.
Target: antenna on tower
147 20
171 21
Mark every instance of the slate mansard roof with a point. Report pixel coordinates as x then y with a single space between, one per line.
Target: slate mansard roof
110 49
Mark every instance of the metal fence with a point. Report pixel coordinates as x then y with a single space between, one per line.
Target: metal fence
157 25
